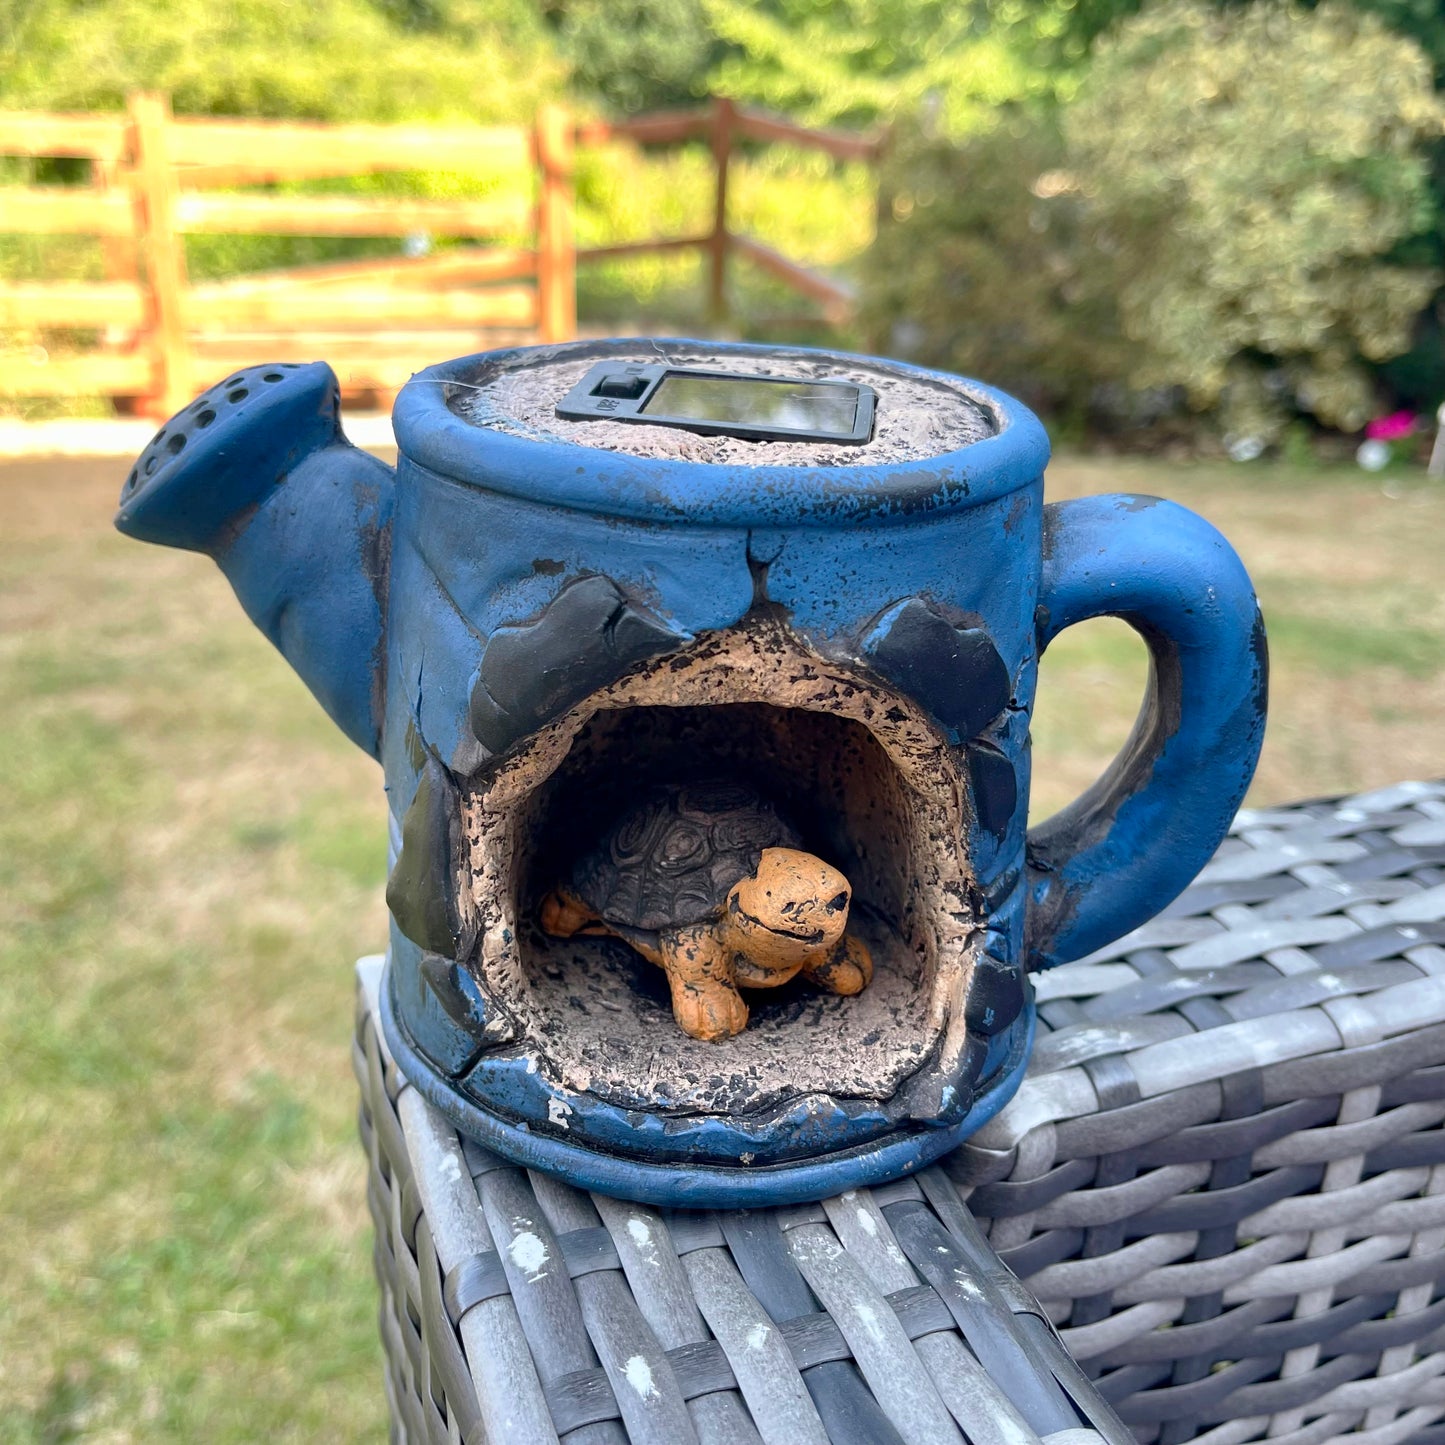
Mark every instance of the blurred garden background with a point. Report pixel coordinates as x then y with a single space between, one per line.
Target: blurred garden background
1204 240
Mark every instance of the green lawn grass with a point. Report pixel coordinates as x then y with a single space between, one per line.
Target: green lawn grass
191 857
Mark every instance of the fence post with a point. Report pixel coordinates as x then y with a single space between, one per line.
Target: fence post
121 260
556 242
164 255
720 240
882 171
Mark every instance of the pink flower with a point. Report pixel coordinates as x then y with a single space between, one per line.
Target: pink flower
1391 428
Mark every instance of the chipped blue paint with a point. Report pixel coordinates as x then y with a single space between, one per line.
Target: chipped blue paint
663 1176
385 590
297 518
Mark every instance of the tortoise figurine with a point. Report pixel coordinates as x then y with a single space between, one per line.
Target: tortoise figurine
705 879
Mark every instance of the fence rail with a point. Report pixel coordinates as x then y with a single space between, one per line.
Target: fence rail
722 123
155 179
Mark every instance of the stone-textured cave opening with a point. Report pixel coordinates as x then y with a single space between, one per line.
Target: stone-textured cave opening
869 786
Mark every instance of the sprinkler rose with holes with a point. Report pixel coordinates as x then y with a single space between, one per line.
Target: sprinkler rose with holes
702 880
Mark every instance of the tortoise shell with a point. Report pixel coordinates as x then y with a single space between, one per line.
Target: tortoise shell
670 858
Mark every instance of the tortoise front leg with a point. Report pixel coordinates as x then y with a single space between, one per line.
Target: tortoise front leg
705 1001
564 914
847 970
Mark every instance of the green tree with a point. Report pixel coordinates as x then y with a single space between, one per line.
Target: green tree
860 61
637 55
1247 175
483 60
856 61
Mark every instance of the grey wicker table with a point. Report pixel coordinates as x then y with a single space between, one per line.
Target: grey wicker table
1223 1182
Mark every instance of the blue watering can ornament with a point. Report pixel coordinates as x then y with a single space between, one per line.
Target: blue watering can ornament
704 716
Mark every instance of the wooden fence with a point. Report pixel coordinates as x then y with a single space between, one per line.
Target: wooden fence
723 123
155 179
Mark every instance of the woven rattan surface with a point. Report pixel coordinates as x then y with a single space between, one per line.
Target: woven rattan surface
1224 1179
1225 1174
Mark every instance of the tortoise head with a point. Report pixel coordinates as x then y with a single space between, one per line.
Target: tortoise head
791 912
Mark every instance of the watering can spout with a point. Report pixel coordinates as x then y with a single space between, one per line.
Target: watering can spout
257 474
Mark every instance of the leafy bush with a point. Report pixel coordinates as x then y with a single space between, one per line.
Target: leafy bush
382 60
636 55
1215 217
856 61
1248 174
982 266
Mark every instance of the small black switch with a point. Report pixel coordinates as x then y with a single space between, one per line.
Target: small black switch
621 385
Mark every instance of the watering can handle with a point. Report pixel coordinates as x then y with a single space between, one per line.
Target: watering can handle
1130 844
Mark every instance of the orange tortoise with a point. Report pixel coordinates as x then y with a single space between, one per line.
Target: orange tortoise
706 880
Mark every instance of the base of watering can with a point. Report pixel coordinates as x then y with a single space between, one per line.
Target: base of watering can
673 1180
